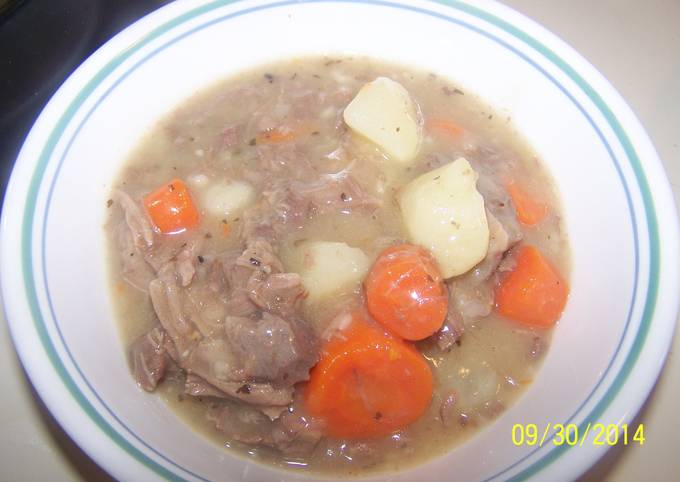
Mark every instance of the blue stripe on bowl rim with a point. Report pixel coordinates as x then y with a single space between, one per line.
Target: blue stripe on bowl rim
99 77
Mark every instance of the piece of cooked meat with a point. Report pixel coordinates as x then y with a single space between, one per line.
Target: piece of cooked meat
273 349
148 359
278 293
292 433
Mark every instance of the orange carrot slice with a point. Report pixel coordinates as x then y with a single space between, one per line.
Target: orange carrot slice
445 127
279 135
171 209
533 293
405 292
529 211
368 383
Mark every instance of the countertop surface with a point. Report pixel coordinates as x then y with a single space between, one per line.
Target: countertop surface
636 45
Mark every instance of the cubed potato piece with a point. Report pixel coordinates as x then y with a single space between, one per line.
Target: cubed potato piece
326 268
384 112
477 384
226 199
443 212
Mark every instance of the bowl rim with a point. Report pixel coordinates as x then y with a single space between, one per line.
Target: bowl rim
627 129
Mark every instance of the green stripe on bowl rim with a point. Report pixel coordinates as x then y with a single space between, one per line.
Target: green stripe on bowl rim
525 38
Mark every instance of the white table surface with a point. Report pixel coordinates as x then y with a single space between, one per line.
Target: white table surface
636 45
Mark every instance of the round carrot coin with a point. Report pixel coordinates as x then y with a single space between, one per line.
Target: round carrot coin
405 292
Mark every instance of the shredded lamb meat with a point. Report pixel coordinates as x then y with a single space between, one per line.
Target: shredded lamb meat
291 203
148 359
232 325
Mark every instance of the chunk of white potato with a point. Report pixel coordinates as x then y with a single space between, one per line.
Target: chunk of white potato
443 212
476 383
384 112
228 198
327 268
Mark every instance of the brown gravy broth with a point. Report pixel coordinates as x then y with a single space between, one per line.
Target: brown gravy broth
214 136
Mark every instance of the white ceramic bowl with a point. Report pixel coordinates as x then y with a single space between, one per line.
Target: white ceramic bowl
607 351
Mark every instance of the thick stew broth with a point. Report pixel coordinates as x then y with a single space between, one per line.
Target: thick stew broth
268 157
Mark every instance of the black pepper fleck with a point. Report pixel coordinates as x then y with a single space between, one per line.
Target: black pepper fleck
109 203
201 259
269 77
448 91
245 388
255 261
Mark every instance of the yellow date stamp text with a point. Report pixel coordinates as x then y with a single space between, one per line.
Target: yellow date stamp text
571 434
